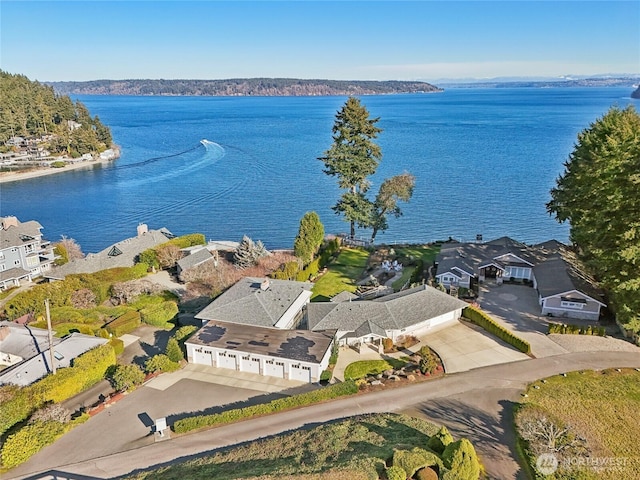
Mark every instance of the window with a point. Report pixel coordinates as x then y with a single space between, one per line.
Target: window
568 304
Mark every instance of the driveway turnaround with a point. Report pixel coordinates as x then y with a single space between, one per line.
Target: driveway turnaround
477 404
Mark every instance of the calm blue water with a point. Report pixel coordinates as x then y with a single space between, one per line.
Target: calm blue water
484 160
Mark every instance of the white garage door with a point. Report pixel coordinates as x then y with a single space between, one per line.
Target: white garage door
251 365
300 372
202 358
227 360
274 368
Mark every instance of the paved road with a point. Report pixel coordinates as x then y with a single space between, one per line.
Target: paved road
477 404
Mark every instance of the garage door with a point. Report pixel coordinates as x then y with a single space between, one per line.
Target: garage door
227 360
202 358
300 372
274 368
251 365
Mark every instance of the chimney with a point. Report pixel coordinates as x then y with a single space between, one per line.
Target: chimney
4 332
9 222
264 286
142 229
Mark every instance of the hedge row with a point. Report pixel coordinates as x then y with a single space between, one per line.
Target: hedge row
59 293
32 438
159 315
326 393
576 329
87 370
483 320
125 323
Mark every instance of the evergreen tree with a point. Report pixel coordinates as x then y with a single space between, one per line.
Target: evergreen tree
309 238
352 158
599 195
249 252
173 350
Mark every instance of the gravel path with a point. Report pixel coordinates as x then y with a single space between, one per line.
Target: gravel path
589 343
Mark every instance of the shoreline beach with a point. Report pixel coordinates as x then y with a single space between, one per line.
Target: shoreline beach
6 177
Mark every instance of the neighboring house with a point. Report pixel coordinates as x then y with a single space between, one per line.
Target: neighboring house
24 254
564 289
409 312
25 352
121 254
260 302
194 258
291 354
254 327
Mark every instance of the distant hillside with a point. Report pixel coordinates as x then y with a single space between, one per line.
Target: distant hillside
578 82
269 87
636 93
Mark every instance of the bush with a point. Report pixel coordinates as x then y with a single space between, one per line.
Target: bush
576 329
460 457
159 315
387 344
483 320
426 473
125 377
160 363
125 323
117 344
184 332
87 370
440 440
414 460
396 473
173 351
228 416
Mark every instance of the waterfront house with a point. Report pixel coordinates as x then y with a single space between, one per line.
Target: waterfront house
24 253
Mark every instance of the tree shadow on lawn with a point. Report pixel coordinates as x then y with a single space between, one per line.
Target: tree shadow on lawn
493 438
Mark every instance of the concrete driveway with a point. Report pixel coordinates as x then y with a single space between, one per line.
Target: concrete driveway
516 308
461 346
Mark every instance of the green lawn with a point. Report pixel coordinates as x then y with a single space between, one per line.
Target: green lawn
355 448
341 275
409 256
602 407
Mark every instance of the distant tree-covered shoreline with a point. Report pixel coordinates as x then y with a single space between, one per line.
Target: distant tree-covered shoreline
268 87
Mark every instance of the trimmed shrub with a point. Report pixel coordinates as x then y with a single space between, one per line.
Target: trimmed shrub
125 323
309 271
117 344
159 315
396 473
426 473
184 332
228 416
125 377
173 351
576 329
414 460
440 440
160 363
483 320
387 344
460 457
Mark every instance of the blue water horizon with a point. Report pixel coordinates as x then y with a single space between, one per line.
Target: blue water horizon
484 161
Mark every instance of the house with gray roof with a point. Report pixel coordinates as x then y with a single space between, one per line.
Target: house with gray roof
290 354
122 254
24 254
194 257
564 289
25 352
260 302
410 312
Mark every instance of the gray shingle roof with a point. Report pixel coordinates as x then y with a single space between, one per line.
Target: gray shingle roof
391 312
301 345
195 258
246 303
130 248
11 237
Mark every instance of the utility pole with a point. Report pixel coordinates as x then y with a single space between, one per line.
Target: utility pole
53 364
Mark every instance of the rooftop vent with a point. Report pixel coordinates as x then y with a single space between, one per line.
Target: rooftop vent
264 286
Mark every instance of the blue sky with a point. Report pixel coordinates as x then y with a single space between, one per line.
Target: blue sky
364 40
